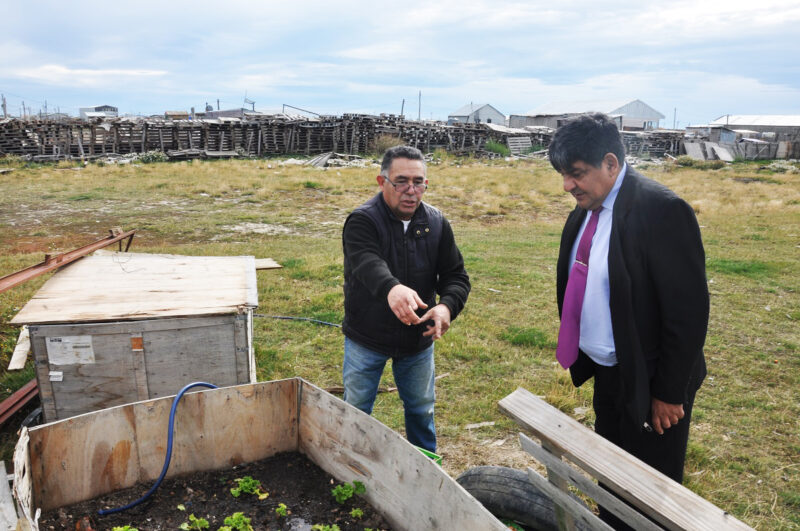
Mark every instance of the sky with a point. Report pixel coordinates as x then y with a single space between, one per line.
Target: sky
693 61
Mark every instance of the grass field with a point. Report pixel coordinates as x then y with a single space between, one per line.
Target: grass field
744 451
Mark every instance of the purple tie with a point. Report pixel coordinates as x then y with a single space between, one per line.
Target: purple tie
570 332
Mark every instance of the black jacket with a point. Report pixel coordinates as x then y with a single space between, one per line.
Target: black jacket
658 294
378 255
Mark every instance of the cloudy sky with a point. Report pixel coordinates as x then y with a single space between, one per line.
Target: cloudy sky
693 61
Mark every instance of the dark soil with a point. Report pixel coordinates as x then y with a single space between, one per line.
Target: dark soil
289 478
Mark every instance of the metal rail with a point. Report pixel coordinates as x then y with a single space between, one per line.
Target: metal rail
27 392
16 401
54 262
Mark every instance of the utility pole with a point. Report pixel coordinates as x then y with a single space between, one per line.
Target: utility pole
217 103
5 112
23 110
402 106
674 116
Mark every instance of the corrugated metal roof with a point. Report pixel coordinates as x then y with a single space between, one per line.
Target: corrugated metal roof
507 130
579 106
467 109
780 120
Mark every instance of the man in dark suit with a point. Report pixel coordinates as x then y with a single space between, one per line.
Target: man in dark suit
641 324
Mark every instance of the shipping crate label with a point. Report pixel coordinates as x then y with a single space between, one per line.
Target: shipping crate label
69 350
56 376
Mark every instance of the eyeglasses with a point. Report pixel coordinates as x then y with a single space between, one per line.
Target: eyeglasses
402 188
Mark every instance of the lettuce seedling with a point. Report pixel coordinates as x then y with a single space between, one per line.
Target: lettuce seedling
248 485
281 510
237 522
194 523
345 491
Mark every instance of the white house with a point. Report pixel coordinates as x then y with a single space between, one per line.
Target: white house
98 111
631 115
476 113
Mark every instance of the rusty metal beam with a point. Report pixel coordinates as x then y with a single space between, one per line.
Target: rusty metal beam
54 262
16 401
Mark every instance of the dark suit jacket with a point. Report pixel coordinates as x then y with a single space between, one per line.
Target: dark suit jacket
658 295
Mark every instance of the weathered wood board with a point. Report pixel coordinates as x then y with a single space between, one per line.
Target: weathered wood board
90 366
83 457
411 490
117 286
666 501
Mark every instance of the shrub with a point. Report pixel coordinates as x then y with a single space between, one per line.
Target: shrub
496 147
685 160
384 142
153 156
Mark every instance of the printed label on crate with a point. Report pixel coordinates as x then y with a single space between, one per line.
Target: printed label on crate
56 376
69 350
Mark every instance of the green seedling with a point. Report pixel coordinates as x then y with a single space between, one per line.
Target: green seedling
248 485
181 507
194 523
237 522
281 510
345 491
124 528
357 513
320 527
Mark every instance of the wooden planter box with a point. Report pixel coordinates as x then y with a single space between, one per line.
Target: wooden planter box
83 457
115 328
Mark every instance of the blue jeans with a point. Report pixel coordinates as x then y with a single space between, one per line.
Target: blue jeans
414 377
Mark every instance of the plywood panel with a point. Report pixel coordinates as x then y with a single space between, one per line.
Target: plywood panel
137 286
409 489
83 457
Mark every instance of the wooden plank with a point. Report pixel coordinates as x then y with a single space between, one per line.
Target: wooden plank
555 465
653 493
139 366
83 457
23 485
267 263
8 512
410 490
21 350
138 285
564 516
240 355
576 509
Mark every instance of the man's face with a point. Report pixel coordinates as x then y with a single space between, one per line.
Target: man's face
401 173
590 185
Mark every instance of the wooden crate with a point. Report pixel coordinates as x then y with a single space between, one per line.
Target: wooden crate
80 458
116 328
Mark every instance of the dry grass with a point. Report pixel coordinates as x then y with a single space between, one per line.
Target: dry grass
745 442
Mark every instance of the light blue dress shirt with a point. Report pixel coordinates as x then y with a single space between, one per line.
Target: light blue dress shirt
597 336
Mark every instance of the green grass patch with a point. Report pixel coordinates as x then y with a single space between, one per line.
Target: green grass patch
528 337
754 269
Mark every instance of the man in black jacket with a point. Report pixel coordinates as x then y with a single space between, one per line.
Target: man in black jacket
399 253
632 296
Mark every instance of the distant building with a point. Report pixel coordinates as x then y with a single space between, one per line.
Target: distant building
783 126
98 111
227 113
176 115
476 114
631 115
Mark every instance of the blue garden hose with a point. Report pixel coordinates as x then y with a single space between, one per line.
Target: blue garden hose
104 512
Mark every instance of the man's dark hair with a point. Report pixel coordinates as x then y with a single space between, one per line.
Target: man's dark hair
587 138
400 152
